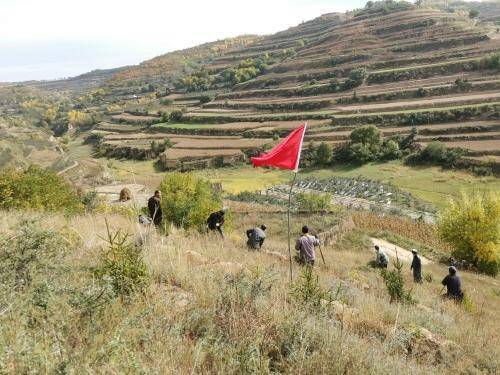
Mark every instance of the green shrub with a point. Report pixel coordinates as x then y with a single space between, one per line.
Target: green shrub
436 153
206 98
90 200
394 283
31 252
176 116
314 202
390 151
367 135
323 154
307 291
122 265
187 200
37 189
355 79
471 224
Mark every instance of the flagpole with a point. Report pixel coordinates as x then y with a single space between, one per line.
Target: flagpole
289 236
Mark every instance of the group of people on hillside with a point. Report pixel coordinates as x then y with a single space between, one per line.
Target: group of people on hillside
452 281
305 246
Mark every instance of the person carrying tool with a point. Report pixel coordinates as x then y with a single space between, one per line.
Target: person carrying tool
305 247
416 266
256 237
216 220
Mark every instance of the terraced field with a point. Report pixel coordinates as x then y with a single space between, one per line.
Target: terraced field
396 67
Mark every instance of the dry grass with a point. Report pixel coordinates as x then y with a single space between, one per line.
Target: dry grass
214 307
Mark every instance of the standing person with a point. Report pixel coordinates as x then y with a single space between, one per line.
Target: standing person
382 259
453 285
416 266
216 220
305 247
256 237
154 207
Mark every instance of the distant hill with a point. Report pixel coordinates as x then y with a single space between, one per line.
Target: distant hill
77 85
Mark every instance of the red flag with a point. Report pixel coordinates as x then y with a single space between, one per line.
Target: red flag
285 155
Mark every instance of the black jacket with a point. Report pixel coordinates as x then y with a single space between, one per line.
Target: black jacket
453 285
154 208
214 219
416 264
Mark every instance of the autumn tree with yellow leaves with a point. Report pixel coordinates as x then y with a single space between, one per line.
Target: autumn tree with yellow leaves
77 118
471 224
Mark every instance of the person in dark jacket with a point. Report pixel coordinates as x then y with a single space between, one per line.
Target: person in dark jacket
216 220
154 207
453 285
416 266
256 237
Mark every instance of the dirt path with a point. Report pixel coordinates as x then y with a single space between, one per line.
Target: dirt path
391 250
74 165
140 193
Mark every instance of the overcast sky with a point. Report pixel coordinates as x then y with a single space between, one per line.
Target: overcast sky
47 39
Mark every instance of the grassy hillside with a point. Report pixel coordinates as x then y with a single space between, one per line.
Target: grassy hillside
211 306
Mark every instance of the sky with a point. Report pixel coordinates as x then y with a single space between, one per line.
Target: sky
50 39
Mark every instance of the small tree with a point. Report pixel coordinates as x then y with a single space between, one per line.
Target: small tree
367 135
176 116
206 99
365 144
355 79
471 223
187 200
123 265
395 283
323 154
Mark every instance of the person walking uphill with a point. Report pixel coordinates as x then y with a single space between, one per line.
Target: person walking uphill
216 220
416 266
453 285
154 207
256 237
305 247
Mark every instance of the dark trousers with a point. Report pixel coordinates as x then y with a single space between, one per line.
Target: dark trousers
417 277
218 229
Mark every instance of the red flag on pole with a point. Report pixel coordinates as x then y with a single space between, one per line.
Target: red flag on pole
286 154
